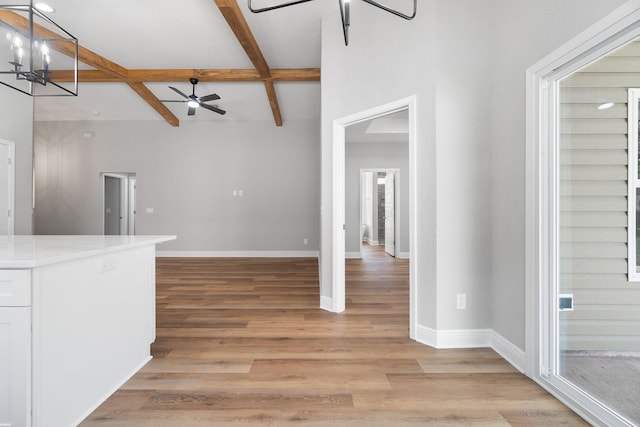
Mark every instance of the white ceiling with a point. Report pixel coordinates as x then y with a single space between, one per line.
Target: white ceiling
393 127
167 34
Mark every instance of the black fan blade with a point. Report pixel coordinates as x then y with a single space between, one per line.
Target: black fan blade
212 97
192 111
178 92
214 109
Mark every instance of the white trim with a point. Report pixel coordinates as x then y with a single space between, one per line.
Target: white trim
352 255
338 209
508 351
617 28
426 336
237 254
326 303
472 338
403 255
454 338
397 205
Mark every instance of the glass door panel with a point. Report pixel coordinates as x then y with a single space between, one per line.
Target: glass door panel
597 300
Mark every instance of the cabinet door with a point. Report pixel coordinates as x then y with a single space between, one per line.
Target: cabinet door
15 371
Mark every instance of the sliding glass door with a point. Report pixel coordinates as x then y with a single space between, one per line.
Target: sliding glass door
594 297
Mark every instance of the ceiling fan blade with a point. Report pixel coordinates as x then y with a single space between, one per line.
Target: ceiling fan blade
192 111
214 109
178 92
212 97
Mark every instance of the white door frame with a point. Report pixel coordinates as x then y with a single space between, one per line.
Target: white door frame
125 210
338 214
131 199
11 179
396 172
541 203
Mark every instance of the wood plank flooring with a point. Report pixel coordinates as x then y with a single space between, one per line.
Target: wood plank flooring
243 342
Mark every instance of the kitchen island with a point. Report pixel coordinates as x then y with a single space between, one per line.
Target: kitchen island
77 319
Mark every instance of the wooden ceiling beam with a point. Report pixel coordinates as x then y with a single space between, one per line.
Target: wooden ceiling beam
157 105
296 75
65 47
178 75
238 24
273 101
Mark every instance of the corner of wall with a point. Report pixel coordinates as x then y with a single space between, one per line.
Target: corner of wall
472 338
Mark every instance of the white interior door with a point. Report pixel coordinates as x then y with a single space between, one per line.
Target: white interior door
131 223
389 214
112 206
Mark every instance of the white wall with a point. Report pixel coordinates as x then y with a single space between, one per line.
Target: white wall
465 61
426 57
521 35
16 124
375 155
187 175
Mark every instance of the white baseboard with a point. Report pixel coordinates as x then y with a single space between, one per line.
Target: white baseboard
373 242
352 255
454 338
472 338
403 255
238 254
510 352
326 303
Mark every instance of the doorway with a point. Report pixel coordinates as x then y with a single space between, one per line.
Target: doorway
119 203
380 212
7 179
338 248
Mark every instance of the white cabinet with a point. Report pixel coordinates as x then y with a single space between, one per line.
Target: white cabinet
77 320
15 354
15 348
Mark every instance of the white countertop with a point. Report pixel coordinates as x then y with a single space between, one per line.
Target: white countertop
35 251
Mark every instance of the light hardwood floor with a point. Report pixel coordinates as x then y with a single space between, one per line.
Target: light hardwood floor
243 342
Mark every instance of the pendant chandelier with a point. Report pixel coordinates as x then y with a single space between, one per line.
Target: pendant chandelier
345 12
31 45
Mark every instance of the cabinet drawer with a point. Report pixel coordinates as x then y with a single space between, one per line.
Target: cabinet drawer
15 288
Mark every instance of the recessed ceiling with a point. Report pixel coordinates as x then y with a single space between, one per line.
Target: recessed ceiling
392 127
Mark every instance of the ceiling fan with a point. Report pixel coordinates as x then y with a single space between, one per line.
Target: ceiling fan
194 102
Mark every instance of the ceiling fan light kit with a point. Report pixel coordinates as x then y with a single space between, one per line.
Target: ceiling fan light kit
345 11
194 102
31 46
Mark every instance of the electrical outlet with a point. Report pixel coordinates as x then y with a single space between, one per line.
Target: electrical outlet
108 264
305 241
461 301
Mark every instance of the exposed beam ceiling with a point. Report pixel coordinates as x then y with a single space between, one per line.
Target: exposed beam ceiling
238 24
108 71
151 99
209 75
